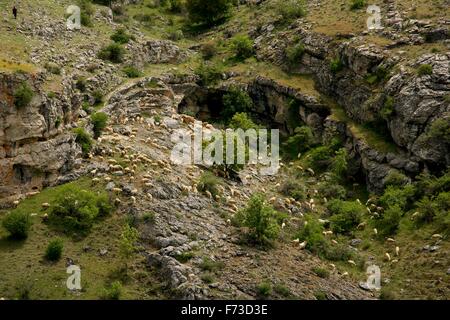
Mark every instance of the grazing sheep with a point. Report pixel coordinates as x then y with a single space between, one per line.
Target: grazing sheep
208 194
387 256
352 262
283 225
334 241
375 231
302 245
397 251
45 217
345 274
436 236
133 199
45 205
390 240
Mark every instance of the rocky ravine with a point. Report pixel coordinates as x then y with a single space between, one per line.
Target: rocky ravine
186 220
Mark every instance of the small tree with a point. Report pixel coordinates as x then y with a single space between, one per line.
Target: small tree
127 243
242 47
234 101
208 12
261 219
84 140
99 120
113 52
121 36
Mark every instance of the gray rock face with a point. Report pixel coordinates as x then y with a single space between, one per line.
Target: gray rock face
36 143
156 51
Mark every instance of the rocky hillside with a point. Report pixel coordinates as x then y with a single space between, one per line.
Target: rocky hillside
364 118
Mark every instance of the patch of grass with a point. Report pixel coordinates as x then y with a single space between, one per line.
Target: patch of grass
99 121
291 10
388 108
357 4
84 140
242 47
321 272
295 53
185 256
112 292
209 182
210 265
282 290
113 52
336 65
121 36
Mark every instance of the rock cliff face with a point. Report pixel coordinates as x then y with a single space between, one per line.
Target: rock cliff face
36 143
418 100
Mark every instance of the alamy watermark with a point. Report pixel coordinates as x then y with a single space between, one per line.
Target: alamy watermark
374 21
230 147
74 280
74 20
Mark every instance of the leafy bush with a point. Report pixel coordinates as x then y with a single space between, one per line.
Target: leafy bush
208 12
23 95
84 140
357 4
339 163
208 50
52 68
209 73
388 108
264 289
17 224
121 36
81 84
242 47
98 97
394 196
425 69
234 101
76 209
260 219
380 74
128 239
113 52
389 222
241 120
291 10
99 121
321 272
175 6
440 130
209 182
210 265
54 250
300 141
132 72
175 34
336 65
293 189
320 158
86 11
113 292
295 53
312 234
395 178
332 190
346 215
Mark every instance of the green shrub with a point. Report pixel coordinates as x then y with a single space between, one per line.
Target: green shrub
207 277
208 50
339 164
242 47
291 10
210 265
261 220
320 295
293 189
185 256
75 209
235 101
264 289
425 69
84 140
282 290
23 95
86 11
295 53
209 73
336 252
54 250
175 34
209 182
395 178
440 130
357 4
332 190
346 215
113 52
388 108
320 158
321 272
99 121
300 141
394 196
336 65
208 12
132 72
312 234
121 36
175 6
113 292
98 97
17 224
81 84
389 222
128 239
149 217
241 120
53 68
